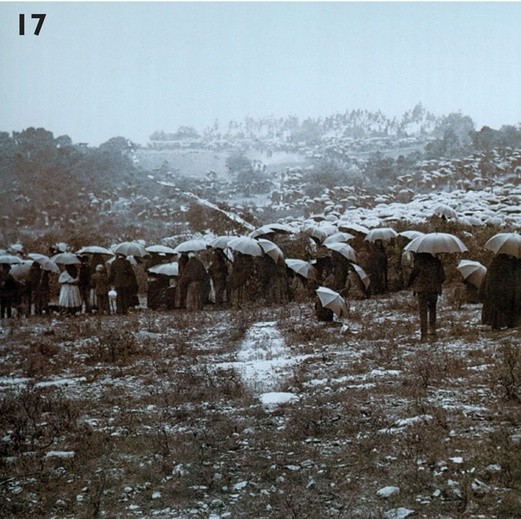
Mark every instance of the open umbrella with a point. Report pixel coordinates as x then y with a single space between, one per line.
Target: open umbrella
505 243
271 249
66 258
166 269
383 233
36 256
332 300
20 271
220 242
190 246
343 248
411 235
472 271
10 259
445 210
338 237
361 273
435 243
160 249
130 248
346 226
271 228
94 249
303 268
246 245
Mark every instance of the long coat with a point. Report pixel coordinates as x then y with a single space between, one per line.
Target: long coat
427 274
499 293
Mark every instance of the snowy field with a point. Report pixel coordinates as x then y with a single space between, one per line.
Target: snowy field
261 412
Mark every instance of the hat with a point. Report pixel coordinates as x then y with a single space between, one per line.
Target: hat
99 267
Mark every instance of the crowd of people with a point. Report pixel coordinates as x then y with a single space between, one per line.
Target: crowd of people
105 284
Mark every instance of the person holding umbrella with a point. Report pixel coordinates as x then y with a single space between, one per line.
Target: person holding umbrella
123 278
8 291
426 280
70 297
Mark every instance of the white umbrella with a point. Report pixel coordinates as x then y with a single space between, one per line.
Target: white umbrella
505 243
190 246
353 227
338 237
445 210
343 248
160 249
472 271
20 271
37 256
221 242
8 259
435 243
166 269
332 300
382 233
246 245
130 248
66 258
271 228
411 235
364 277
303 268
271 249
94 249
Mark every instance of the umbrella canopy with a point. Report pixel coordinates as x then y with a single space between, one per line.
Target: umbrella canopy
221 242
445 210
166 269
302 268
10 259
435 243
271 228
66 258
160 249
343 248
364 277
37 256
383 233
271 249
353 227
505 243
332 300
411 235
49 266
338 237
130 248
246 245
16 247
472 271
20 271
190 246
94 249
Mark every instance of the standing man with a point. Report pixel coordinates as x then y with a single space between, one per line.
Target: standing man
426 280
122 277
84 278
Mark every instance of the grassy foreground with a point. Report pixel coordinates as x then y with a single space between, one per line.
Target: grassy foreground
140 416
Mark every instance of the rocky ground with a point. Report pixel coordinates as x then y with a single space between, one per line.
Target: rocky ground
261 413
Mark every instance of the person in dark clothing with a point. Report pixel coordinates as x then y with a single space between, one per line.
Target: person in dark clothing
42 294
340 266
242 271
31 286
193 282
499 293
8 291
377 268
181 293
100 282
123 279
84 282
218 272
426 280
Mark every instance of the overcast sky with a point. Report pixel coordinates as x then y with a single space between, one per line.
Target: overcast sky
99 70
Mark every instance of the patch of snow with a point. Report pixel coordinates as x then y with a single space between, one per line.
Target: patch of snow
399 513
388 491
275 398
60 454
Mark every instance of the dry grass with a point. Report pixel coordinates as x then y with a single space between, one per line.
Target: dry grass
134 417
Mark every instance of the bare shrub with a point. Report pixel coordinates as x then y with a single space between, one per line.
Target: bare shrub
507 372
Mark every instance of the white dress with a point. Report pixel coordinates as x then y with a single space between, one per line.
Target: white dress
70 296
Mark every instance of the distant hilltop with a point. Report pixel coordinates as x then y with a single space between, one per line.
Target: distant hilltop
289 131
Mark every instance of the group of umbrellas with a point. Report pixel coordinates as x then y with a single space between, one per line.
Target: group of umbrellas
256 245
